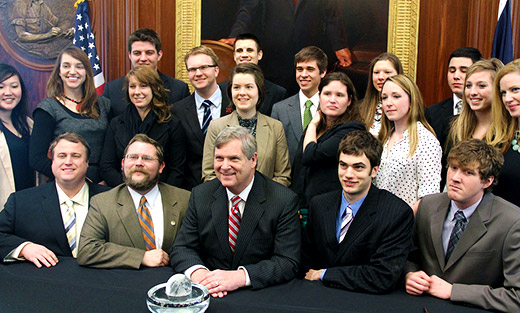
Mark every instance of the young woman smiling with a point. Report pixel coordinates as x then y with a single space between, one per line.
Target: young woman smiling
147 113
247 94
411 160
15 128
72 106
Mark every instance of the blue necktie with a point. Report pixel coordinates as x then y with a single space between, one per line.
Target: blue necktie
207 116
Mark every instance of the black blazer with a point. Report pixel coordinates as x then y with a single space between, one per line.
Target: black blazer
439 116
269 239
169 134
34 215
374 251
273 93
315 171
186 111
176 89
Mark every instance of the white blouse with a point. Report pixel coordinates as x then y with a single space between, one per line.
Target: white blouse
411 178
376 126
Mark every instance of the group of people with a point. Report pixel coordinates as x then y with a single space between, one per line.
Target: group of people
239 185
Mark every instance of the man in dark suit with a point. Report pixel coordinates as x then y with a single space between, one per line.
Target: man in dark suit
242 228
297 111
247 49
41 223
207 103
468 240
357 239
136 222
440 114
144 48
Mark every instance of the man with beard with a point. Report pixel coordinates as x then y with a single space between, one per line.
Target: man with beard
136 222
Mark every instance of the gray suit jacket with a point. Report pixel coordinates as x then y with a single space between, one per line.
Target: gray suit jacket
289 113
484 267
112 237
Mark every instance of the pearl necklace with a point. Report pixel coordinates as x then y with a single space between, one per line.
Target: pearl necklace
514 143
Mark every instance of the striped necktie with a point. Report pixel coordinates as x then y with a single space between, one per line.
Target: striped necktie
207 116
346 220
234 222
458 229
70 227
146 222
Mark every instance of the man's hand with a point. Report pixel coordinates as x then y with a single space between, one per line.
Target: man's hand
219 282
39 255
199 275
313 274
440 288
344 57
155 258
417 283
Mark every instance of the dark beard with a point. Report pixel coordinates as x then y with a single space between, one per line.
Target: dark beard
143 185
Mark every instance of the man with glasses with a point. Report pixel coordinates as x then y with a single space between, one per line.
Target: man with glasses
134 224
207 103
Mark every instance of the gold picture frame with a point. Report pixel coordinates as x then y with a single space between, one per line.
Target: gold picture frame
403 31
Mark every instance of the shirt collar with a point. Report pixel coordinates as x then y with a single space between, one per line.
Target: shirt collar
80 198
151 196
215 98
244 194
456 99
303 98
468 212
353 206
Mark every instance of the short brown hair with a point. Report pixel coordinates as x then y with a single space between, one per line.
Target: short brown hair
252 69
312 53
475 151
361 142
147 35
145 139
72 137
202 50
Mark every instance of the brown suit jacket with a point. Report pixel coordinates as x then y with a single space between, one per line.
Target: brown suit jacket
484 267
273 154
111 235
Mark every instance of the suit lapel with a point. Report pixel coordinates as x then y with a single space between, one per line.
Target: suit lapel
294 112
262 138
51 210
329 214
475 229
129 219
193 120
220 217
436 226
252 214
171 217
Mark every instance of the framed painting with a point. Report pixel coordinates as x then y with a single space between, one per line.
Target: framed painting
365 27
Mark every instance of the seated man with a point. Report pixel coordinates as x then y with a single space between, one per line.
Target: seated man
241 229
357 239
467 239
136 222
38 224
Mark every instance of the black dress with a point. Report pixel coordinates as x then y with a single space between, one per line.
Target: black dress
509 177
19 151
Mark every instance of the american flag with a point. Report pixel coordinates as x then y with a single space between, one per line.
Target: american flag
84 39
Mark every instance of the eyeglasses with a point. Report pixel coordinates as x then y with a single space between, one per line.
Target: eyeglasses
202 68
145 158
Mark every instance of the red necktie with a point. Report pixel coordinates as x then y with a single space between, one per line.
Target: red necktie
234 222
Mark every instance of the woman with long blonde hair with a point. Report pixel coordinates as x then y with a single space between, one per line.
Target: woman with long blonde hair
411 160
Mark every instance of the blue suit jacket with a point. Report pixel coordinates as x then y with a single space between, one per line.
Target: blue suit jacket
34 215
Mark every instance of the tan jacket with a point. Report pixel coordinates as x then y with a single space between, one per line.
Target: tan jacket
273 154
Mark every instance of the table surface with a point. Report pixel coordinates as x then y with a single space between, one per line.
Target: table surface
69 287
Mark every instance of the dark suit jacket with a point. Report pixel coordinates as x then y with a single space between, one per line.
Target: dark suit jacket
112 237
484 267
186 111
289 113
176 89
374 251
169 134
273 93
439 117
268 243
34 215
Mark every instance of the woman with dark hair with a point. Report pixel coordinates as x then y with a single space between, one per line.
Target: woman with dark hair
147 113
316 161
247 94
72 106
15 129
411 160
383 66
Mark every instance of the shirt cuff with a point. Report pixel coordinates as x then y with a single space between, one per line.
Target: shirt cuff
14 255
248 281
323 274
192 269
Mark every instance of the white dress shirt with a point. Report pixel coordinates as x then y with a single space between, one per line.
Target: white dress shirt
216 99
154 205
315 103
